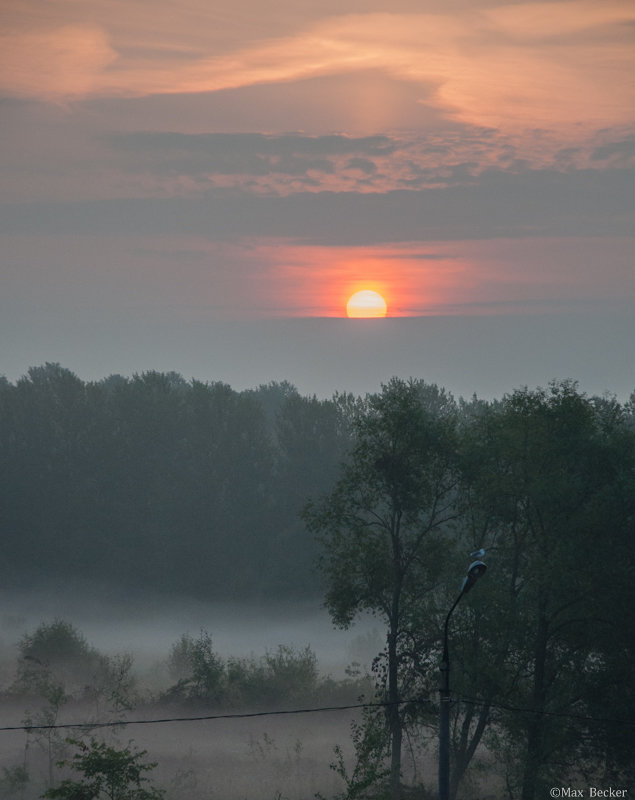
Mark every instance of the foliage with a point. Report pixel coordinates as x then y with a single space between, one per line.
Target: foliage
105 772
368 778
153 482
56 659
58 666
158 482
382 530
13 781
544 481
550 475
200 672
58 652
279 678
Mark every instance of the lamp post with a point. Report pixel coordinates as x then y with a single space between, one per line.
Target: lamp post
474 572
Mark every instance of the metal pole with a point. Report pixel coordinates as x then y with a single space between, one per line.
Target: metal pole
444 712
474 572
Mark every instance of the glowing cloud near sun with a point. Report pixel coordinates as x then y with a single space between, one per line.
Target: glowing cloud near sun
366 303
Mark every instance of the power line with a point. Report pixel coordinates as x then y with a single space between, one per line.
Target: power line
321 709
246 715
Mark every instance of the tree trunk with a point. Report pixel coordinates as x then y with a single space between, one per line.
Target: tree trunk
466 753
394 717
535 729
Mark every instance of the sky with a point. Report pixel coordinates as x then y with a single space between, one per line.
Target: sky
200 187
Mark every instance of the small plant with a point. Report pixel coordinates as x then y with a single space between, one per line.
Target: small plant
106 774
263 748
41 726
367 780
13 781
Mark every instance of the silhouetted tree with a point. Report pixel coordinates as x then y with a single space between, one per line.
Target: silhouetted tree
551 478
384 523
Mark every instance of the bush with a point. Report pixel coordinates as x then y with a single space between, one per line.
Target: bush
285 676
198 670
106 773
57 659
58 653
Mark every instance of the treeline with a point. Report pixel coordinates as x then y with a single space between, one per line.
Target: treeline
155 482
160 483
57 669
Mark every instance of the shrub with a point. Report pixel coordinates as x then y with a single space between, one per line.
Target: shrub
57 659
58 653
198 670
106 772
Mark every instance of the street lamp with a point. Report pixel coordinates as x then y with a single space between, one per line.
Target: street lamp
474 572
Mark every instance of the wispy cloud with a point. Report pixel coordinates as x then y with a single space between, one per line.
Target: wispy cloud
521 65
55 63
286 164
498 204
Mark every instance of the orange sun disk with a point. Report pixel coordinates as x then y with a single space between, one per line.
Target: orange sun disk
366 303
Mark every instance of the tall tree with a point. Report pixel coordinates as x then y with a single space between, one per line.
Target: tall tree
550 476
311 437
385 522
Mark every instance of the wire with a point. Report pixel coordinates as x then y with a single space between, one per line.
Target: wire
247 715
321 709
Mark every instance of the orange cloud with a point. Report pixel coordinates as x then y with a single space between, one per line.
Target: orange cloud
413 278
431 278
59 63
521 65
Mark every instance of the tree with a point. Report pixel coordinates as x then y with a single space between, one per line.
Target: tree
45 458
382 526
57 666
551 477
157 482
199 671
58 651
56 654
311 439
107 773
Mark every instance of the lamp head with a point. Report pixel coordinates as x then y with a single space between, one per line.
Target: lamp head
474 572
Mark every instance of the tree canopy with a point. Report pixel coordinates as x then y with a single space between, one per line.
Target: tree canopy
543 480
154 482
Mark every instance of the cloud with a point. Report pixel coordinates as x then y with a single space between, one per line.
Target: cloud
189 277
225 144
245 156
291 163
619 153
496 204
516 66
72 153
363 165
59 63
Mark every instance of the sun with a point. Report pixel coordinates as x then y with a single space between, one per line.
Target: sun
366 303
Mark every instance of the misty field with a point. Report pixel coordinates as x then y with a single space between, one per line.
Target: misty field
258 759
261 757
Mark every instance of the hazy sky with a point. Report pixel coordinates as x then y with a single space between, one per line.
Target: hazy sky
200 186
